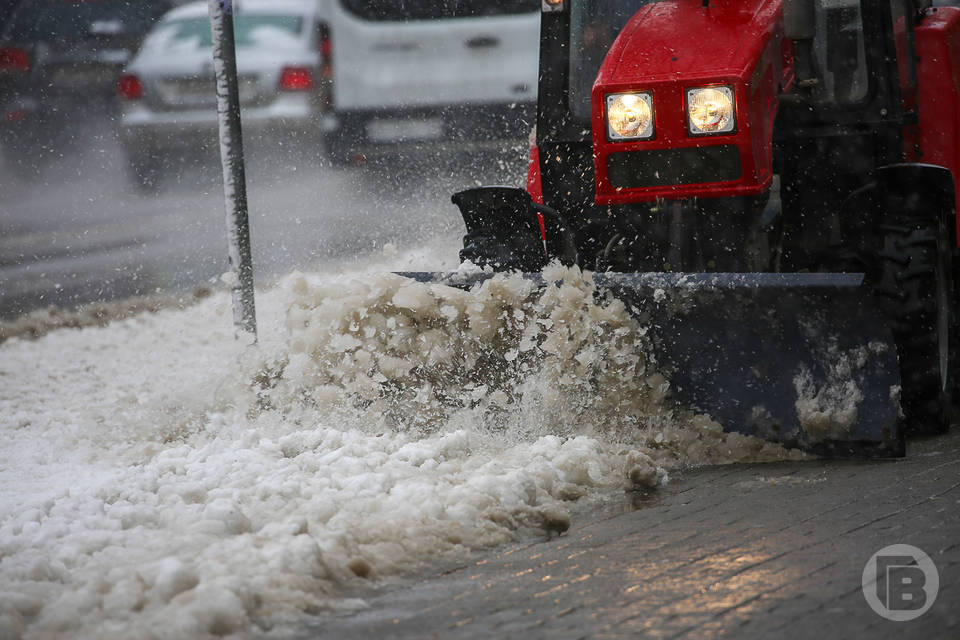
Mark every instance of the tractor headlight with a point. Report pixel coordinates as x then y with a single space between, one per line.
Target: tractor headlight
710 110
629 116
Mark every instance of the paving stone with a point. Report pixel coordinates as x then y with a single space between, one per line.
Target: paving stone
744 551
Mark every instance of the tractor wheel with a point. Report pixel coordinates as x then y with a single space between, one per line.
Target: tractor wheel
955 330
914 283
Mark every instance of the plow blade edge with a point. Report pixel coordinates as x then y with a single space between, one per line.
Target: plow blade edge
805 360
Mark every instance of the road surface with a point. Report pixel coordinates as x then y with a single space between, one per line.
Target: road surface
78 231
743 551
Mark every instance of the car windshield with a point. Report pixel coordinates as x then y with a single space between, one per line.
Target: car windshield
69 21
594 25
400 10
250 30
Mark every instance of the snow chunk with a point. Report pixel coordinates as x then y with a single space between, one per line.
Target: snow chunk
828 408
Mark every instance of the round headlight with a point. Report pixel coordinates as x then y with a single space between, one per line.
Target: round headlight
629 116
710 110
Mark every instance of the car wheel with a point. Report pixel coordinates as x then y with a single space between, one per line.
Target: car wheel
22 159
342 147
144 171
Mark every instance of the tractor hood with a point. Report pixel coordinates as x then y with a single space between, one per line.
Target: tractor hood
681 39
667 53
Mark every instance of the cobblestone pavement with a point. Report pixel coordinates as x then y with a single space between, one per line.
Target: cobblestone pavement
747 551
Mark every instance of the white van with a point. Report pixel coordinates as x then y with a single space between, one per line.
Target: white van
422 71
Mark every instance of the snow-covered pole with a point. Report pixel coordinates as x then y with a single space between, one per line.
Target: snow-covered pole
231 154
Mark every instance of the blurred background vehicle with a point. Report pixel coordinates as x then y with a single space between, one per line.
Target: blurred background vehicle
168 91
431 71
59 64
6 8
78 232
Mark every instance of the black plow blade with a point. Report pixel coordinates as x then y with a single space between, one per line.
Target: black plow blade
805 360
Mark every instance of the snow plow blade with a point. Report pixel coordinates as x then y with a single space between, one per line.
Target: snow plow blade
803 359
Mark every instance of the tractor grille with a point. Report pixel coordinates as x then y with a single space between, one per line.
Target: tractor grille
663 167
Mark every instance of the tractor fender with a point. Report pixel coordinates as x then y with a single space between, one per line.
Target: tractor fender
915 190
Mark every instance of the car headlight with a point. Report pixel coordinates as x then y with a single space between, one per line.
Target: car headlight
629 116
710 110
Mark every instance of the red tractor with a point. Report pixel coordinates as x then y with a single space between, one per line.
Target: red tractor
796 160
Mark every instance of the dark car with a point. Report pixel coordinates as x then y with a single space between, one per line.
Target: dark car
6 8
59 64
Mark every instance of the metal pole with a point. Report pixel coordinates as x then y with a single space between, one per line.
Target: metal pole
231 155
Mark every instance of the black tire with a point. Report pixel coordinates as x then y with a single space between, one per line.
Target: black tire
955 330
340 147
914 285
144 172
24 159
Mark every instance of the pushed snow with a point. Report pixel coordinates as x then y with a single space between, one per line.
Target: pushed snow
828 408
159 480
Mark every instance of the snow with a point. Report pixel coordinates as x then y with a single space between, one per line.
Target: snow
827 408
159 479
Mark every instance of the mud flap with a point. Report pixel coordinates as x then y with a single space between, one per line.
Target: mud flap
805 360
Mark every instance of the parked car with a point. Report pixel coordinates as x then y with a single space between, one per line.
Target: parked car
59 63
431 70
168 92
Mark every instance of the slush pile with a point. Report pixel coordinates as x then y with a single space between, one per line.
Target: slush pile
160 479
